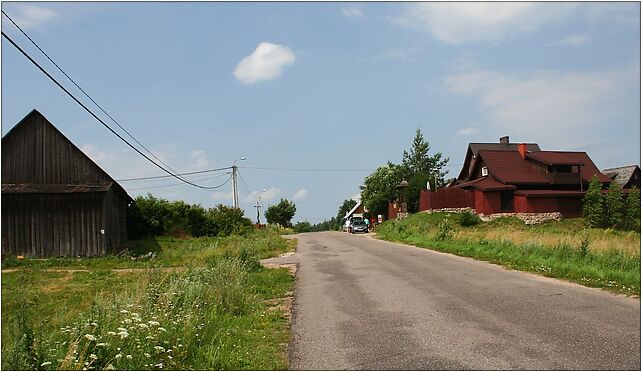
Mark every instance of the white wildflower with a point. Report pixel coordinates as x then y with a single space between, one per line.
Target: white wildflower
153 323
111 333
123 311
110 367
122 329
159 365
101 344
148 355
123 334
94 324
118 356
159 349
128 356
162 329
143 325
90 337
93 356
45 364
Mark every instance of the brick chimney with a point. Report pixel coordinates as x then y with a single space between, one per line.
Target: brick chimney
523 149
504 140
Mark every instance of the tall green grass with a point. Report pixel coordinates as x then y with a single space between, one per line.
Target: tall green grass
615 269
211 315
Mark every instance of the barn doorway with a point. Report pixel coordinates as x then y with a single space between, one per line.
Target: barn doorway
506 199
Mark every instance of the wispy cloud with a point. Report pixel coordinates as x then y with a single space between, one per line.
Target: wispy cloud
301 194
31 16
458 23
572 40
403 55
265 63
198 160
466 131
550 106
269 194
222 196
352 12
356 197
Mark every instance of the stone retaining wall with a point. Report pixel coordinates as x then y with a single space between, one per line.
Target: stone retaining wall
528 218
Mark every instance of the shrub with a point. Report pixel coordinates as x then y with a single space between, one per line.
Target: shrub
281 213
592 210
468 219
613 206
444 229
631 213
303 226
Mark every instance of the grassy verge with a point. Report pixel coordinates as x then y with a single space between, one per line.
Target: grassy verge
592 257
197 304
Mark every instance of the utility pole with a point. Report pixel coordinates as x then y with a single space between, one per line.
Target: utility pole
235 186
235 189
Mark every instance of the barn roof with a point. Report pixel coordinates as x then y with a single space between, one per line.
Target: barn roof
557 157
36 117
621 175
36 188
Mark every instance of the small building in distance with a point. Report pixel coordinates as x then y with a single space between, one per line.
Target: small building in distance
627 177
56 202
518 178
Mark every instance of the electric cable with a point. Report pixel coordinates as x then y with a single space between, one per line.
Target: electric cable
85 93
181 183
166 176
95 116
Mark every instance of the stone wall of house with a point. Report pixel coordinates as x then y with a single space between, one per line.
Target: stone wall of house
528 218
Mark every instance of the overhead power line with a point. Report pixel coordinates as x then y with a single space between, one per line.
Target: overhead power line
182 183
85 93
311 169
168 176
97 118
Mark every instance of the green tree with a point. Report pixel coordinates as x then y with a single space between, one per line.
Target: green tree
223 221
345 207
613 206
592 210
281 213
303 226
380 188
418 160
631 212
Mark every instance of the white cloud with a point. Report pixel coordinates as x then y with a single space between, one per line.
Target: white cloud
356 197
457 23
265 63
30 16
352 12
550 107
199 160
301 194
403 55
93 152
222 196
466 131
573 40
270 193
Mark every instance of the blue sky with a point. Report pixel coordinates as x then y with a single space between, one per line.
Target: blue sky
327 86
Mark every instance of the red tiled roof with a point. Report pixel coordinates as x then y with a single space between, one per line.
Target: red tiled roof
558 157
486 184
509 167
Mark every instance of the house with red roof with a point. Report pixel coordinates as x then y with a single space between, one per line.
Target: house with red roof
518 178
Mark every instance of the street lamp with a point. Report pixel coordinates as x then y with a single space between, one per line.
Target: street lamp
235 188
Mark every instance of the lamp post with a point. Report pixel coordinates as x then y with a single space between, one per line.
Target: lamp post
235 188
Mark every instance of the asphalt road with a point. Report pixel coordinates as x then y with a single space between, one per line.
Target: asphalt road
366 304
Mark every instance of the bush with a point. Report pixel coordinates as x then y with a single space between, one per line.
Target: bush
468 219
281 213
592 210
445 229
631 213
149 216
613 206
303 226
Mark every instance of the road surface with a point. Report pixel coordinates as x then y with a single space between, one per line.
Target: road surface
362 304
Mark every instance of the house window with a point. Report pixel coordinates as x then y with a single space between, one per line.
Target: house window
506 200
484 171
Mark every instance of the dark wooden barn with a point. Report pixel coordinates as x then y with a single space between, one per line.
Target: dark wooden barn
56 202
